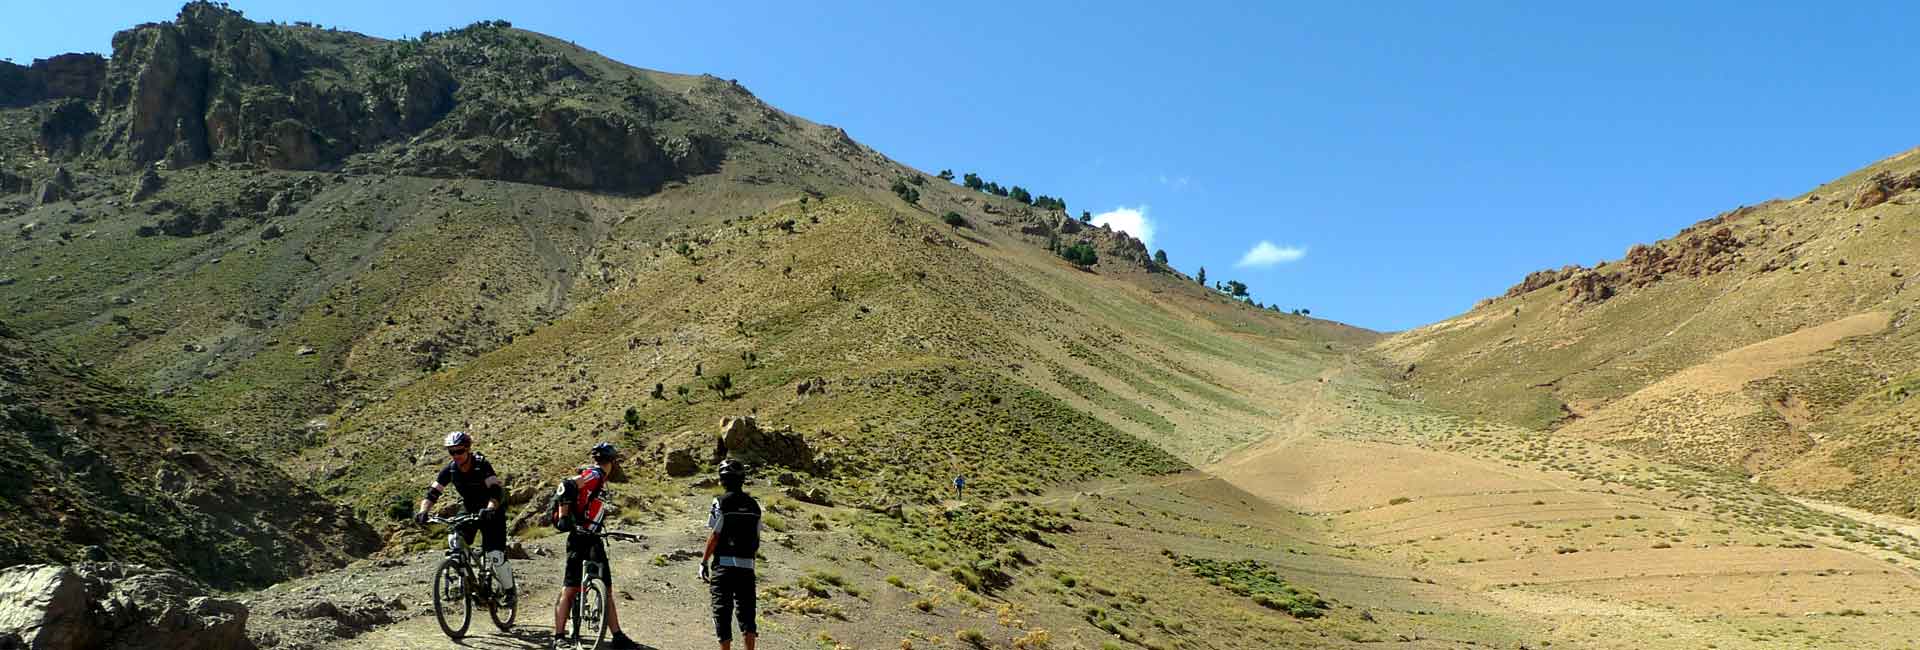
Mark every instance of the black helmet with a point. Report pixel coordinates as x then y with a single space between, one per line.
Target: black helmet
604 451
731 468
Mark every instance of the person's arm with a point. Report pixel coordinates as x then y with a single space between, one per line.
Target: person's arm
433 492
496 489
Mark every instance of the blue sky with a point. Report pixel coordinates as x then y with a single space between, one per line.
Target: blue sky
1401 160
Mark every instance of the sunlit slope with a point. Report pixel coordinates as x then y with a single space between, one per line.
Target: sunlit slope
942 349
1772 339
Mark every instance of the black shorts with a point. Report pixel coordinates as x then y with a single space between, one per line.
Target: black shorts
581 548
731 590
493 532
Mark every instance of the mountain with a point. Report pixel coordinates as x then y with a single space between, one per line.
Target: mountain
1774 340
333 249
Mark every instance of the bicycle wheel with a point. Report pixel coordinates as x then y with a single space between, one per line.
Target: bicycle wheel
450 597
590 615
502 608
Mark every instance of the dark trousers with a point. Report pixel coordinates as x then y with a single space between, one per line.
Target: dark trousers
733 593
493 532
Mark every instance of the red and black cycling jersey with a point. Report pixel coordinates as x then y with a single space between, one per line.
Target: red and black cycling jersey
477 485
589 505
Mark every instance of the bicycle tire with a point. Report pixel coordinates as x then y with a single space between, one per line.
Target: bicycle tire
449 569
590 608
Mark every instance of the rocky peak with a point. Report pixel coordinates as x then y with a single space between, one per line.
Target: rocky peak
65 76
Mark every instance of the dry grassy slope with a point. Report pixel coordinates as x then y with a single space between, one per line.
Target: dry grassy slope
1708 368
944 349
87 468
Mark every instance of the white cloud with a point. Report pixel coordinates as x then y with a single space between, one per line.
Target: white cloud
1132 221
1265 254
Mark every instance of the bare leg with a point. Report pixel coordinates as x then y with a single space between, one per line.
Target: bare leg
560 608
613 611
750 637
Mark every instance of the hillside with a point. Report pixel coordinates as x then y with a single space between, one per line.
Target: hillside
1772 340
94 472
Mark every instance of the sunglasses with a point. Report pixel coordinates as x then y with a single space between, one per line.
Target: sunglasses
456 451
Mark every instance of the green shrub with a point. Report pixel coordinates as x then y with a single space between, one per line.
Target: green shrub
954 219
1081 254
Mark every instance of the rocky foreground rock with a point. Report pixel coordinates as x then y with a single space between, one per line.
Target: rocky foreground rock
114 606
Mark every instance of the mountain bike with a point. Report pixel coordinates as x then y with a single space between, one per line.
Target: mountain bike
589 612
466 577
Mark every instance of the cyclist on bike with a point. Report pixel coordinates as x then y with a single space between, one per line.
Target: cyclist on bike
482 492
588 509
731 547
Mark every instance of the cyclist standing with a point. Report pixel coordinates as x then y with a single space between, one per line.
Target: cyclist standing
482 492
731 547
584 496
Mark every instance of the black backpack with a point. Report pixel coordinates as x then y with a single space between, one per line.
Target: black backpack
564 497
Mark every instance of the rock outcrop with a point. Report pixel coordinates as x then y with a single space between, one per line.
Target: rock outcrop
742 439
474 102
114 606
1883 187
61 77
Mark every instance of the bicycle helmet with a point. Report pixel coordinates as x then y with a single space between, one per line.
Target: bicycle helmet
604 451
457 439
731 468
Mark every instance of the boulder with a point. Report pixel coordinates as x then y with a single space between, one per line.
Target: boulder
46 606
680 463
741 438
149 183
815 496
55 189
107 605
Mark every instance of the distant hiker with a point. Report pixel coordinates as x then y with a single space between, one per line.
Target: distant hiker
480 492
959 487
579 507
727 563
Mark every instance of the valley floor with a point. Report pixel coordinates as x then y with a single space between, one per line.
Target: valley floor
1420 530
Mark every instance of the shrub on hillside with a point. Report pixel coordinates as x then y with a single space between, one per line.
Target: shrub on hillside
905 191
1081 254
954 219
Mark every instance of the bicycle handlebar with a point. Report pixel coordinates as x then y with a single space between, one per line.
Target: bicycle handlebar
456 520
628 537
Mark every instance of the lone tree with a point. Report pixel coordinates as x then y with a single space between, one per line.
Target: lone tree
946 175
1086 217
1236 289
721 383
1160 257
633 419
659 391
954 219
1201 277
972 181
